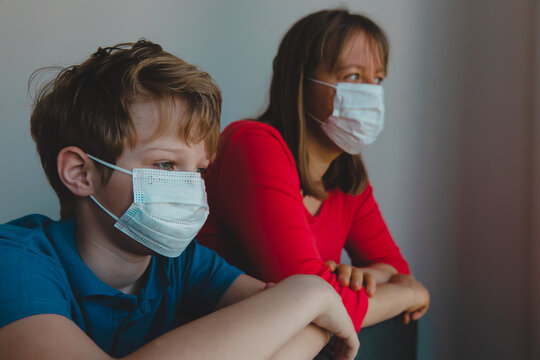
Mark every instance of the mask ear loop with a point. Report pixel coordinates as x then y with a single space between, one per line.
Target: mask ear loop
323 83
103 208
313 117
112 167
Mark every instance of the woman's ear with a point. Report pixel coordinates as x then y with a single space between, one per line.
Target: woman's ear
75 169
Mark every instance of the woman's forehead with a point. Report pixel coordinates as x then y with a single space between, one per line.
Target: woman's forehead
360 50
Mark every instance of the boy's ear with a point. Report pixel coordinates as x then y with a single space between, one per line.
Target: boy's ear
75 169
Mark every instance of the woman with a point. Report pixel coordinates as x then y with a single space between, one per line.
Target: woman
289 190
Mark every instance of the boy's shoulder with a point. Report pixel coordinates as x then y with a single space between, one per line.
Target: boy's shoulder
32 277
35 241
28 232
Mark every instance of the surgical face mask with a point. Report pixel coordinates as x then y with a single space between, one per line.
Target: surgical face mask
168 210
358 116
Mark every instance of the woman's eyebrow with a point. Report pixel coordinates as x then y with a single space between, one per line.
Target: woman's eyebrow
358 66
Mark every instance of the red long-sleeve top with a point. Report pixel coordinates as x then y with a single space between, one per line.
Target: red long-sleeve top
258 221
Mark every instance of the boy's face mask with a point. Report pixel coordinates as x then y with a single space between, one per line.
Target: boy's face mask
168 210
358 116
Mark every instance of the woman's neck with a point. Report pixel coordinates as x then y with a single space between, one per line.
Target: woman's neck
322 152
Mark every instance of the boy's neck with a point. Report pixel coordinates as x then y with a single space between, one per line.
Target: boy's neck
104 249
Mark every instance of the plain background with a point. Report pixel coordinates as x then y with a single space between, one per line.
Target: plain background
456 171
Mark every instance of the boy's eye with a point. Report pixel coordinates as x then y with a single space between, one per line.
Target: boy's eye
164 165
379 80
352 77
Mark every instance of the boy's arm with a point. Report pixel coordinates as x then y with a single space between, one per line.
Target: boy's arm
238 331
305 345
243 287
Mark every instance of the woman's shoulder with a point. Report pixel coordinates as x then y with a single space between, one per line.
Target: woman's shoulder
255 137
254 144
248 130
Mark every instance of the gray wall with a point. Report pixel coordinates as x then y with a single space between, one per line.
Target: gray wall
454 171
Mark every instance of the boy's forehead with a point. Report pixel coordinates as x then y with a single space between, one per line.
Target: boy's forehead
158 125
152 119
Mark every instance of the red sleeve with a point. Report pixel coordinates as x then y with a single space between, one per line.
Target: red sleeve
369 239
259 200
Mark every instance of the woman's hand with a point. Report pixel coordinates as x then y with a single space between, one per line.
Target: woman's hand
353 277
421 296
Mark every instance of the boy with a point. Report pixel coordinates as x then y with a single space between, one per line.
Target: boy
123 139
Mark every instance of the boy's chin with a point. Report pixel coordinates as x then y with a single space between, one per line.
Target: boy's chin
133 246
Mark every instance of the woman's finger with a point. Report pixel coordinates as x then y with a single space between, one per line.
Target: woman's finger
370 284
357 279
331 265
344 274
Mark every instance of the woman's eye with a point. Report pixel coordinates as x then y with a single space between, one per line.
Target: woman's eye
379 80
164 165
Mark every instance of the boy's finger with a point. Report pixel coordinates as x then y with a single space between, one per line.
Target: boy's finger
406 318
419 313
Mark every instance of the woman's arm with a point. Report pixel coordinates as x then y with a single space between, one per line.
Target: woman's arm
369 242
403 293
376 255
255 328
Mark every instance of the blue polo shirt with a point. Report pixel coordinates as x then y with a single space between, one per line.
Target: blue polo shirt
41 272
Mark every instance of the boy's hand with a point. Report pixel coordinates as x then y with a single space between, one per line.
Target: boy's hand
337 321
353 277
421 297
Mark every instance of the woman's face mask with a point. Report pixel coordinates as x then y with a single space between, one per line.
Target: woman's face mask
358 115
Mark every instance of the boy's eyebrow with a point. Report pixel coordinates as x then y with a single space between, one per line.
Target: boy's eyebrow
174 150
165 148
